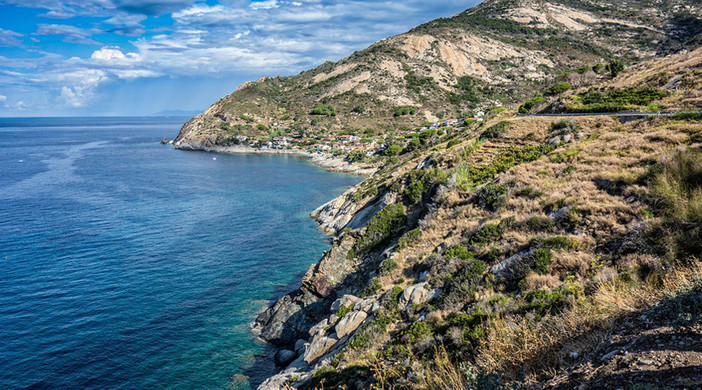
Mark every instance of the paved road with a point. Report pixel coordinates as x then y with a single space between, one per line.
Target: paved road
614 114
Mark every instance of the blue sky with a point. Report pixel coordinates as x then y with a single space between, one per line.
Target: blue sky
140 57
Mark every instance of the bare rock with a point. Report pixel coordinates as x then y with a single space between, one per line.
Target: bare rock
319 346
347 300
417 294
284 357
349 323
514 266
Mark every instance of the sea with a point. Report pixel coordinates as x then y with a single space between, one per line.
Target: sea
127 264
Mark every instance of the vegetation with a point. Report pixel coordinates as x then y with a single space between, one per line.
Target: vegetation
614 100
559 88
495 131
322 109
382 227
531 103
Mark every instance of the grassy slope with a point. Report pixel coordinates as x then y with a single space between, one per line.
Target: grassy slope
614 254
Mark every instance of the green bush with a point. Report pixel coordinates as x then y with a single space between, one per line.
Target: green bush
453 142
495 131
491 196
393 150
540 223
543 302
556 242
343 310
372 288
615 67
399 111
690 116
615 100
542 260
458 251
559 88
531 103
322 109
370 332
485 235
387 266
418 331
584 69
382 227
409 238
564 124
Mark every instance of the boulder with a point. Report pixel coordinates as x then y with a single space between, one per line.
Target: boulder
284 357
514 266
417 294
319 346
347 300
350 323
299 344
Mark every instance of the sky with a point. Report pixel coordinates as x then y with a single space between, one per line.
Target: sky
150 57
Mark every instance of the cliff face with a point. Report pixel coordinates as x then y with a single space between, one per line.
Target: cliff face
499 52
515 245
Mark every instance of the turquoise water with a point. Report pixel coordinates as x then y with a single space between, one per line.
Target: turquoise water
125 264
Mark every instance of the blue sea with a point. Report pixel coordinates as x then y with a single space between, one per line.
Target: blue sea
126 264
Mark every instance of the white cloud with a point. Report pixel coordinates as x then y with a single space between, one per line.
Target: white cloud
9 38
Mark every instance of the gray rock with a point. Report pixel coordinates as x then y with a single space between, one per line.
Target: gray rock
554 140
579 135
284 357
609 355
514 266
346 300
365 304
566 137
423 276
560 213
350 323
319 328
319 346
417 294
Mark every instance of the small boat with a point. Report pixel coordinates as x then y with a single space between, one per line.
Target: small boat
20 161
214 158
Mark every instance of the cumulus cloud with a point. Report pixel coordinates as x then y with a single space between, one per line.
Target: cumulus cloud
3 101
212 39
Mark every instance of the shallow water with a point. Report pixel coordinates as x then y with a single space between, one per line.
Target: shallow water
126 264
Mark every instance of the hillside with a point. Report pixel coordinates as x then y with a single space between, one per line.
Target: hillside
520 252
495 54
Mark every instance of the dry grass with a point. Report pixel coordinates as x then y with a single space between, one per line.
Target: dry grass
538 348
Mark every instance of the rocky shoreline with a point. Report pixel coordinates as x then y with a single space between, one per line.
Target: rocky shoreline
323 160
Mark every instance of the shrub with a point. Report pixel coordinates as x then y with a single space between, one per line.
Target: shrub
360 109
495 131
343 310
491 196
584 69
485 235
543 302
418 331
372 288
322 109
559 88
453 142
565 124
399 111
370 332
393 150
692 116
458 251
531 103
540 223
542 259
556 242
409 238
615 67
382 227
387 266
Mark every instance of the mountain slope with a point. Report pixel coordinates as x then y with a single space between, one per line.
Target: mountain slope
498 52
547 251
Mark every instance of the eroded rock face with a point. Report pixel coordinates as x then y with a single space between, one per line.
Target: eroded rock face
349 323
362 217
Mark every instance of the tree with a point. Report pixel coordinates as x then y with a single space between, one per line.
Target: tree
615 67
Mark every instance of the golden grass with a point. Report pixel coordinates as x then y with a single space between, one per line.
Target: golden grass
538 348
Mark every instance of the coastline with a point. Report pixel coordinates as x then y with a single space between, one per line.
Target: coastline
322 160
